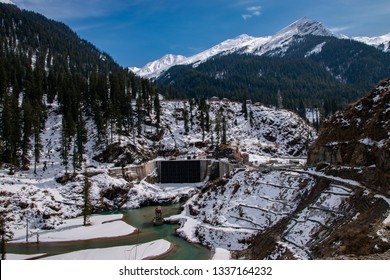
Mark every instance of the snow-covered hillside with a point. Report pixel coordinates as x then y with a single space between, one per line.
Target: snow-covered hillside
277 44
225 214
267 131
48 196
285 215
293 211
380 42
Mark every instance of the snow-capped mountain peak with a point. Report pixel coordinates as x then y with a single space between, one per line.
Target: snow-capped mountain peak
155 68
273 45
7 2
281 41
227 46
305 26
276 45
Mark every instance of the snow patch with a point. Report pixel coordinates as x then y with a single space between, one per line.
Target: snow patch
316 50
221 254
134 252
102 226
380 42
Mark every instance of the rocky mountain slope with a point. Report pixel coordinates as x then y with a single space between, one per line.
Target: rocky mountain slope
288 215
356 142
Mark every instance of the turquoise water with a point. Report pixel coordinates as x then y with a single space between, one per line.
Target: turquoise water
140 218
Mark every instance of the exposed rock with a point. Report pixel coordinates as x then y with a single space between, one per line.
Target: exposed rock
125 154
359 136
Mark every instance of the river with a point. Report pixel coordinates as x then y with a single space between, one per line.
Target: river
140 218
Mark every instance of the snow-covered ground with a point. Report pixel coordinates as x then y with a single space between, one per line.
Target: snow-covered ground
318 217
17 257
133 252
221 254
101 226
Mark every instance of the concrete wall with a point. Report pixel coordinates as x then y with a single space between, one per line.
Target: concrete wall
142 171
226 168
204 169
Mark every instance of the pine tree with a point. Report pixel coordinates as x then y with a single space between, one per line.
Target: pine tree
87 207
202 125
27 132
64 147
81 138
191 113
157 109
244 109
224 128
10 127
139 114
37 139
302 110
207 120
3 81
186 119
206 116
218 127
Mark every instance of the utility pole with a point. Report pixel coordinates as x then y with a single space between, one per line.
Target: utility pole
27 227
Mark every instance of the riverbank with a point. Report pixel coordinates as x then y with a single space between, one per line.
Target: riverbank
142 232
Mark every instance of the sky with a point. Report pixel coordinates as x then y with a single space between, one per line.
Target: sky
135 32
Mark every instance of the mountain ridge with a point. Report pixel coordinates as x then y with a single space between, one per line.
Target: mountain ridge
276 44
7 2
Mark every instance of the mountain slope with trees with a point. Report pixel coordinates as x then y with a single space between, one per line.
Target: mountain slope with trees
315 71
44 62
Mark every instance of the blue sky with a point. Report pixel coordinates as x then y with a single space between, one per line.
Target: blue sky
135 32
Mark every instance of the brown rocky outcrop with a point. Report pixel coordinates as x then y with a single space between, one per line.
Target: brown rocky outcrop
358 137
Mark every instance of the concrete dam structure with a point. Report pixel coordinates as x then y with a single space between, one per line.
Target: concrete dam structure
182 171
174 171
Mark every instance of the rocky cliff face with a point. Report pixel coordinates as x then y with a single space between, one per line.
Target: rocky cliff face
356 142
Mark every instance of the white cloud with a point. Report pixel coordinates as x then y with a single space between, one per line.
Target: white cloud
246 16
339 29
252 11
